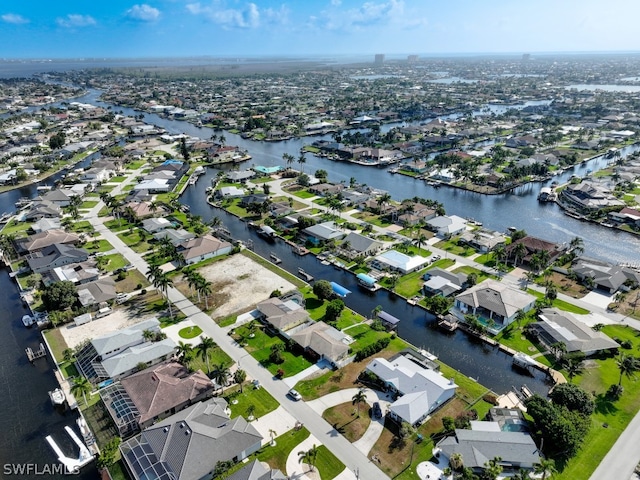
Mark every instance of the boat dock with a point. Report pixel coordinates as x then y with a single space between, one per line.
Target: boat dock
72 465
305 275
448 323
274 259
35 354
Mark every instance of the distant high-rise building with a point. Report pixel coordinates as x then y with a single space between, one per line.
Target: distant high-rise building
379 59
526 57
412 58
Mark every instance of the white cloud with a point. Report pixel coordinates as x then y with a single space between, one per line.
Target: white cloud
143 13
369 13
74 20
14 18
249 16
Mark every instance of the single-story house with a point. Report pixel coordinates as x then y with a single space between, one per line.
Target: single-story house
41 209
153 225
534 246
282 315
325 341
229 192
189 444
442 282
361 244
422 390
201 248
604 275
38 241
398 262
493 303
56 255
157 185
46 224
176 237
77 273
445 226
240 175
482 240
556 326
323 232
96 292
118 354
516 449
138 401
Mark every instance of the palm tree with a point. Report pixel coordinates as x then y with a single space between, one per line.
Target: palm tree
576 245
522 474
456 462
358 398
309 456
272 434
153 273
546 466
148 335
627 365
239 377
220 375
302 159
520 316
573 366
492 468
422 238
289 159
519 252
83 386
206 344
191 276
204 288
163 282
184 351
382 200
251 409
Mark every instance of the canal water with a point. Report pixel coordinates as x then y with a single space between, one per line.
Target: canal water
27 415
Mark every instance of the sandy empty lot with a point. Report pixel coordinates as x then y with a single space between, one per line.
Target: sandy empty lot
238 283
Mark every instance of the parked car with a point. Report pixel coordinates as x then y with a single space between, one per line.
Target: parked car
376 411
294 395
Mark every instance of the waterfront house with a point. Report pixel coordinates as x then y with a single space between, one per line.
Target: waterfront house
482 240
442 282
229 192
118 354
38 241
176 237
56 255
361 245
201 248
42 210
240 176
138 401
97 292
189 444
323 232
58 197
97 174
421 389
324 342
605 276
516 450
155 185
324 189
494 303
446 175
519 142
45 224
395 261
557 326
446 226
282 315
589 197
630 216
153 225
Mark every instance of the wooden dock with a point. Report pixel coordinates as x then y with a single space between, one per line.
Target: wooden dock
274 259
305 275
448 324
35 354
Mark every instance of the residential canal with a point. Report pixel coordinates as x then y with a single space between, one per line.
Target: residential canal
27 414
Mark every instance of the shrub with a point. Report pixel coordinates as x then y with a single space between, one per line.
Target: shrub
373 348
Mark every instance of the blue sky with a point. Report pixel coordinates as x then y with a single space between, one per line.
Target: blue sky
117 28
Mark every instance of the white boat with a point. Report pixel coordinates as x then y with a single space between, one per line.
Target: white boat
57 397
27 320
523 360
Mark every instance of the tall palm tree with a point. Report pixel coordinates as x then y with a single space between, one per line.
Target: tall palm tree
289 159
627 365
83 386
153 273
239 377
220 375
576 245
206 344
519 252
546 466
148 335
163 283
383 200
573 366
422 239
302 159
358 398
204 288
309 456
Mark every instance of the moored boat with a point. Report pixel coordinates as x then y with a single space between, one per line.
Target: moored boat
57 397
27 320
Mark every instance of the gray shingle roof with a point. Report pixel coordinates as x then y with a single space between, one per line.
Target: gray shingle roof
122 338
496 297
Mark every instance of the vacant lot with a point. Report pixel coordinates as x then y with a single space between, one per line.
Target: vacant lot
238 282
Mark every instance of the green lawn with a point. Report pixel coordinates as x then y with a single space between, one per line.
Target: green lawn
14 227
408 285
616 415
118 179
81 226
260 348
443 263
56 343
328 464
561 304
453 247
95 246
114 262
190 332
364 335
88 204
277 456
468 270
303 194
259 398
216 355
